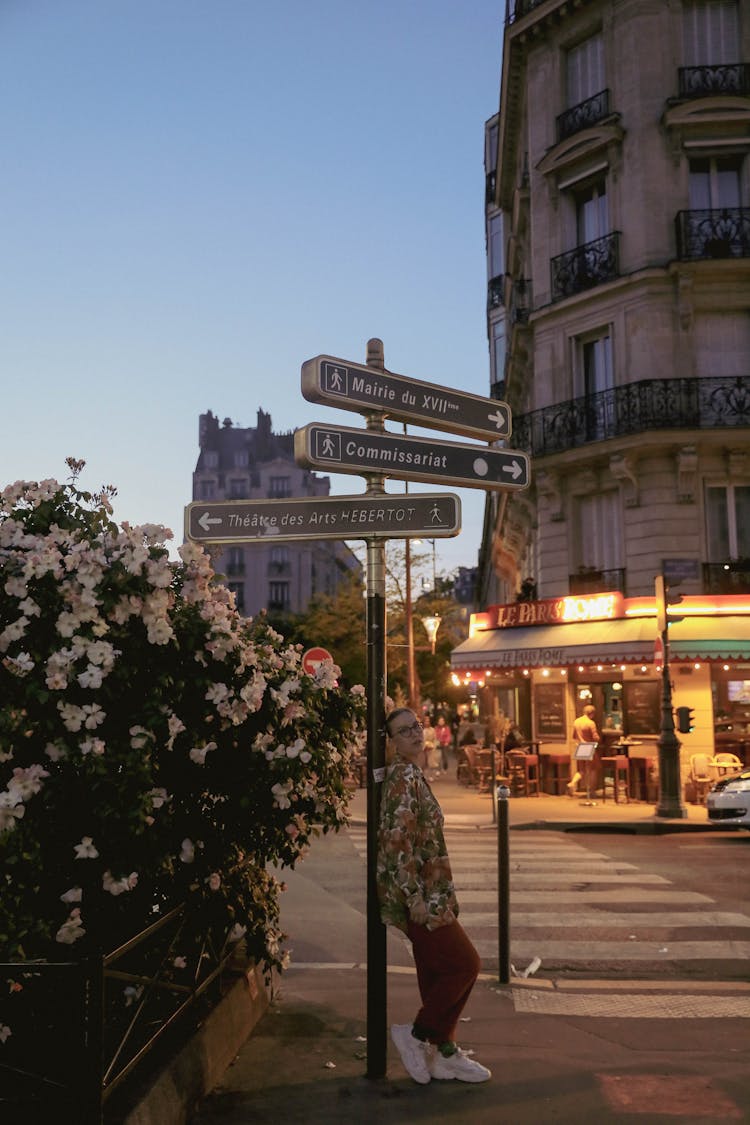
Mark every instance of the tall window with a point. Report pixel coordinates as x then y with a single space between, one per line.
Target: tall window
207 490
585 70
279 559
715 183
241 459
279 487
237 489
495 247
211 459
728 521
711 32
596 365
498 350
278 596
238 589
598 532
592 214
235 560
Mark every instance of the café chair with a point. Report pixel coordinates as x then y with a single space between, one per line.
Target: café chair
702 776
522 770
725 763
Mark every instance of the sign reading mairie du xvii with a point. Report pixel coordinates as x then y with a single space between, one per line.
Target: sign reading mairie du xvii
352 386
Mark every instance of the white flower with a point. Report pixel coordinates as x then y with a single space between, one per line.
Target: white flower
92 746
358 690
26 782
187 854
5 1032
158 798
305 756
13 632
71 930
21 665
118 886
55 752
198 753
281 794
139 737
214 881
91 678
72 716
94 715
159 632
132 993
217 693
86 849
16 588
11 810
180 962
73 895
236 933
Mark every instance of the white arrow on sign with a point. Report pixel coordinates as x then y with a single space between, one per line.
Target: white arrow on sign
499 419
205 521
515 469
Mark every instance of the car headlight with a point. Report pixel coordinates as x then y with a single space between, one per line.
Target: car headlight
738 785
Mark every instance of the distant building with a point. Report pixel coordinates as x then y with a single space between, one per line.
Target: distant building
242 463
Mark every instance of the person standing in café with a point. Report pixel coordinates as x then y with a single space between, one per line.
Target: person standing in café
444 738
584 730
417 895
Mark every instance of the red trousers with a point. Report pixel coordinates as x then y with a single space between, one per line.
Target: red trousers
447 966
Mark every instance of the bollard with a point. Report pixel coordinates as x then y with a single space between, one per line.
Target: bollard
503 886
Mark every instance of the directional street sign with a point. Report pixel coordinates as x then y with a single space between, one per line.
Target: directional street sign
352 386
399 516
343 450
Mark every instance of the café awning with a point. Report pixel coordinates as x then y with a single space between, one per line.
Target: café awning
623 641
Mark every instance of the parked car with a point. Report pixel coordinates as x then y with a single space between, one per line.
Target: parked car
728 802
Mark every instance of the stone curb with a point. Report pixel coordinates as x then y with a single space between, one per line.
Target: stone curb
199 1066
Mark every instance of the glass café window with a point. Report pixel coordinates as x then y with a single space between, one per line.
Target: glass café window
728 521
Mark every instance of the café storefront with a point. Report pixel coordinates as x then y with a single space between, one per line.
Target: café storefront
541 662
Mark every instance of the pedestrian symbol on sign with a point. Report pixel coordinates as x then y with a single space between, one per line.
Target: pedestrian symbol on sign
328 445
333 377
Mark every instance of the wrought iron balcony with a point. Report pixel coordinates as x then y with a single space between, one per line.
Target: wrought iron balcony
496 292
727 578
592 580
582 115
515 9
716 233
651 404
588 265
702 81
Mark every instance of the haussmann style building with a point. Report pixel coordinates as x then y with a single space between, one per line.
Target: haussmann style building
618 241
252 463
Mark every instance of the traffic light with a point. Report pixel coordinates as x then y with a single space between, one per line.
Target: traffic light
664 598
685 720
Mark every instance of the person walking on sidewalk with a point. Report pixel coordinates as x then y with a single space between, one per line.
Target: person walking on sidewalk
584 730
416 894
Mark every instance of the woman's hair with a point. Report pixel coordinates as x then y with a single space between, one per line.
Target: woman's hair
394 714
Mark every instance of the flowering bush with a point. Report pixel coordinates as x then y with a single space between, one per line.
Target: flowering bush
152 741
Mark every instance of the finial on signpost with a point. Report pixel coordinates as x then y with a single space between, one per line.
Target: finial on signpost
375 353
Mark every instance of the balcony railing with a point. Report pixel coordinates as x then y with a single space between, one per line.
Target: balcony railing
702 81
495 292
515 9
651 404
582 115
727 578
715 233
588 265
591 580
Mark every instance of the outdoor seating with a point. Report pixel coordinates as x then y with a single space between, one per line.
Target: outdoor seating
725 763
702 775
616 769
522 770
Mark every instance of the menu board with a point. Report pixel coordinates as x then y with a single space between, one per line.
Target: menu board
642 707
549 711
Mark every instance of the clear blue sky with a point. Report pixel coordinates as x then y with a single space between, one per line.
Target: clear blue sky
198 195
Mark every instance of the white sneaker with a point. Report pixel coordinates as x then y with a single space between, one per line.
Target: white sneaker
413 1052
459 1066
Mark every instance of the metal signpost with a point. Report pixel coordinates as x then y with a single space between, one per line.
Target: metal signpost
376 516
350 386
399 516
343 450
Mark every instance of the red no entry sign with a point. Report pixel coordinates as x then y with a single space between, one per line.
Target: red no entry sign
313 658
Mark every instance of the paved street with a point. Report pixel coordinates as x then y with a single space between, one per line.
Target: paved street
639 1010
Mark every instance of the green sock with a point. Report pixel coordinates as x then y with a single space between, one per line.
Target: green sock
447 1049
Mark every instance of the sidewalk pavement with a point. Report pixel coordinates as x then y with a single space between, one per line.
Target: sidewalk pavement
674 1050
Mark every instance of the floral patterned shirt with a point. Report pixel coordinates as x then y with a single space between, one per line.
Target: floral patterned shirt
413 870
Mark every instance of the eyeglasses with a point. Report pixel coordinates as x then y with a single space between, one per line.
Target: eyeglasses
413 728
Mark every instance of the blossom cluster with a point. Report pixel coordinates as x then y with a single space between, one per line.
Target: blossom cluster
152 741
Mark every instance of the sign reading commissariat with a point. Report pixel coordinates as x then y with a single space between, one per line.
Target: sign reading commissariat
353 386
343 450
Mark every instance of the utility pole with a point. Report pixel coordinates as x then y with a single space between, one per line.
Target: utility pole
376 683
670 785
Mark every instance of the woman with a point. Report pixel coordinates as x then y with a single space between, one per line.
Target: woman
416 893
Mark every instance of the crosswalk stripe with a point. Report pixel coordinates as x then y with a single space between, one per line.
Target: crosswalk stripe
539 878
632 1007
571 951
622 894
609 921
